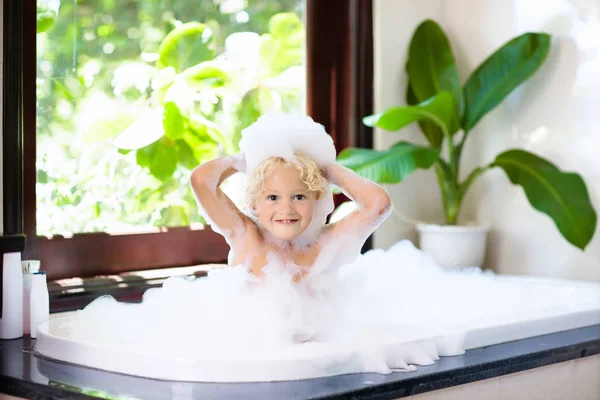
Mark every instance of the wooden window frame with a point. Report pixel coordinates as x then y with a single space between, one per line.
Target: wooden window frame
339 93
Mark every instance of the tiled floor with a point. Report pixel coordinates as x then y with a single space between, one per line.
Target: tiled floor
571 380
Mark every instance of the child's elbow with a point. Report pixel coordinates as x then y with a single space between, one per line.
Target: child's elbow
195 177
384 204
198 178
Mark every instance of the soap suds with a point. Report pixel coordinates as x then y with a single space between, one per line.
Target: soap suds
377 312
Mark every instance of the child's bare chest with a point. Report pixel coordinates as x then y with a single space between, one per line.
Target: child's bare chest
257 257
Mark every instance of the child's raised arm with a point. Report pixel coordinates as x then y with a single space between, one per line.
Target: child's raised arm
205 181
373 202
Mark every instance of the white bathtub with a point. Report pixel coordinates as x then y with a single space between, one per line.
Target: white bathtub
54 343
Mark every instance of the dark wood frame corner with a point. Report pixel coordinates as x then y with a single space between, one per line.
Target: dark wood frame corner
339 94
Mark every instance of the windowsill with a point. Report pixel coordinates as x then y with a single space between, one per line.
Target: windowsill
21 374
75 293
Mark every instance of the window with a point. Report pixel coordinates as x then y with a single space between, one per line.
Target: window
168 68
131 97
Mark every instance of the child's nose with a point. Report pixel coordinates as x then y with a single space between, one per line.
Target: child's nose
287 206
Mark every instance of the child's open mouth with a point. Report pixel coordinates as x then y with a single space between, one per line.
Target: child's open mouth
286 221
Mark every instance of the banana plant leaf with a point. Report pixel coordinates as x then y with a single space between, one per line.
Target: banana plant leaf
388 166
561 195
438 109
432 132
501 73
431 65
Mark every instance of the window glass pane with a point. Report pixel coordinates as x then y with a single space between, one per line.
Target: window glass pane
133 94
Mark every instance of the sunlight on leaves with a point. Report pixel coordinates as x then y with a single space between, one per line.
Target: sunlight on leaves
145 98
146 129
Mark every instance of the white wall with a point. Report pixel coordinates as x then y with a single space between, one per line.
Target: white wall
556 114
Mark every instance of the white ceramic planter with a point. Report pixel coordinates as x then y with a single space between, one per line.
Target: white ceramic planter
454 246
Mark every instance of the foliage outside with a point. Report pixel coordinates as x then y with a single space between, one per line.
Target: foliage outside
133 95
443 108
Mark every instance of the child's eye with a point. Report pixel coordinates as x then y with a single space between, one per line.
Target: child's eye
271 197
300 197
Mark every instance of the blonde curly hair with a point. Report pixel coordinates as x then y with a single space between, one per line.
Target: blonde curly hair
310 175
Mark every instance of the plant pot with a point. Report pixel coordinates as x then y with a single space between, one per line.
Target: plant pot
454 246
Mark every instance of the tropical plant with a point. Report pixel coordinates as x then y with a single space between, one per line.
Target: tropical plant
179 124
444 109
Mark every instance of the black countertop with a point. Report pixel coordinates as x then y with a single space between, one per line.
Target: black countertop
25 375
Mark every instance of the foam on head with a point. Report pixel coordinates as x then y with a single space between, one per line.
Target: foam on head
277 134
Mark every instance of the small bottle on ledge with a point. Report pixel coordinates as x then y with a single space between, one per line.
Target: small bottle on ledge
29 268
11 322
39 303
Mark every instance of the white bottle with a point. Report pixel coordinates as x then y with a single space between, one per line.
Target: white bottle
11 323
27 280
29 268
39 303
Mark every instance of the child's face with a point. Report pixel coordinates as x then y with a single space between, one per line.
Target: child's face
285 207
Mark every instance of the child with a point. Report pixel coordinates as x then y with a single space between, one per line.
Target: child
282 196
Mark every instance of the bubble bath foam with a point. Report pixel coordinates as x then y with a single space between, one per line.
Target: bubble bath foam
387 311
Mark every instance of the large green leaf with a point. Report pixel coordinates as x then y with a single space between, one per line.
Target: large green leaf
159 157
432 132
174 215
163 78
283 46
388 166
105 129
188 44
206 130
204 149
206 74
185 154
173 120
431 68
45 17
143 156
161 83
438 109
254 103
561 195
146 129
501 73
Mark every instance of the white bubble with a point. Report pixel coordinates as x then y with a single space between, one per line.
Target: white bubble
386 310
277 134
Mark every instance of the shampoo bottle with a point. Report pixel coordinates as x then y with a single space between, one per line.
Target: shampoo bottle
11 323
29 268
39 303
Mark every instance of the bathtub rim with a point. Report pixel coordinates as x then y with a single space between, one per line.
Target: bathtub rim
476 338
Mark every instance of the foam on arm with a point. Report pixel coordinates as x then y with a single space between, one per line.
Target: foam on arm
374 203
218 209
